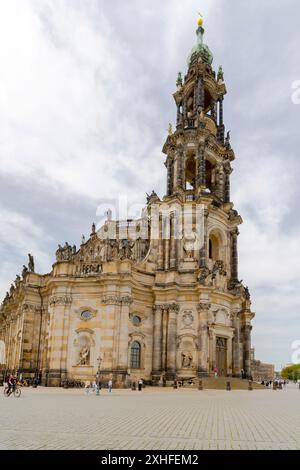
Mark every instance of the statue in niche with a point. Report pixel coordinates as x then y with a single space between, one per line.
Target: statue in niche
125 249
186 360
84 356
114 249
189 245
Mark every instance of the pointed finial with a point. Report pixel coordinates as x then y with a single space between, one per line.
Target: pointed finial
179 80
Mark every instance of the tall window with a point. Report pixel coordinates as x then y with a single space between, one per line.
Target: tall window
135 357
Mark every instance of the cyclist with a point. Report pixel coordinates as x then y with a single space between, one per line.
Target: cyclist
11 382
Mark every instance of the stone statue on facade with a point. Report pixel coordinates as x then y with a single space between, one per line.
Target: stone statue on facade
84 356
204 276
186 360
152 196
30 263
125 250
25 271
227 140
17 281
64 253
189 243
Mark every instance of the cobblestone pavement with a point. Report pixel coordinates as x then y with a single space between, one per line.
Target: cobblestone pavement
152 419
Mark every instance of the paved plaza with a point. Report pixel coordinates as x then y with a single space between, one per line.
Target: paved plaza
153 419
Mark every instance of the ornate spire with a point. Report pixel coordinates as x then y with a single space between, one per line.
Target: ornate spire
200 50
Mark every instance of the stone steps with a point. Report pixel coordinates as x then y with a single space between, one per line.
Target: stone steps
211 383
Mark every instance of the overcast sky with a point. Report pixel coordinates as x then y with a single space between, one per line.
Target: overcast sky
85 101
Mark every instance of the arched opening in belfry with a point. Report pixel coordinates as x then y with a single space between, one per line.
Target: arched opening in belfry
209 175
214 248
190 173
190 104
207 101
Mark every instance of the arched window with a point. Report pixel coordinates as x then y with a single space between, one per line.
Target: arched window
190 173
135 355
214 248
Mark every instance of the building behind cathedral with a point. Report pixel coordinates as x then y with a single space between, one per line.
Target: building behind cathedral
157 298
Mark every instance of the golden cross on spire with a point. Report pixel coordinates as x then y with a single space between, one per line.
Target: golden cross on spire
200 19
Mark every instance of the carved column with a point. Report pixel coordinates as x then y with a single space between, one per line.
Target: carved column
171 341
201 167
160 260
203 251
169 177
179 116
236 346
221 129
200 94
234 255
157 340
173 242
220 183
167 234
227 171
203 352
180 177
214 111
212 350
164 337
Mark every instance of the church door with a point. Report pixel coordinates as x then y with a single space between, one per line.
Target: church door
221 356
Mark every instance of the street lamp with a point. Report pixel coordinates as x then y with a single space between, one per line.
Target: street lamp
99 360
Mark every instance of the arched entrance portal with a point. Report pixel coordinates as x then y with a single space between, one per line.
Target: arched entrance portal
221 356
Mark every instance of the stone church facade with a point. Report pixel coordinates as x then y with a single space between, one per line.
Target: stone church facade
156 298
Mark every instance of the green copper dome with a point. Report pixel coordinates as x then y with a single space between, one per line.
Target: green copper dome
200 49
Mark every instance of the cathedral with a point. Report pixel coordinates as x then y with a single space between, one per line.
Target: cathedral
157 298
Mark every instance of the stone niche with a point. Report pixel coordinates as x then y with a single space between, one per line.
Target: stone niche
83 351
187 355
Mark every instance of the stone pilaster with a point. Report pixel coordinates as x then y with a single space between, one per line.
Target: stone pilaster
234 255
157 340
173 242
171 341
160 260
126 301
236 346
247 349
203 351
60 305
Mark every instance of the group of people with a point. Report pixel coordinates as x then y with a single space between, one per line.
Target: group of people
277 383
94 387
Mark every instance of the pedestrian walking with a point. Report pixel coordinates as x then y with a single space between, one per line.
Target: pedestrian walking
140 385
110 384
87 387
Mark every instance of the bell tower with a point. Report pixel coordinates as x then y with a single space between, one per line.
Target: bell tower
192 168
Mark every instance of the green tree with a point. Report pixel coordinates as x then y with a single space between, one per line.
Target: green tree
291 372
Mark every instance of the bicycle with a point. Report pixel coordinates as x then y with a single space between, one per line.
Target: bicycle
15 390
